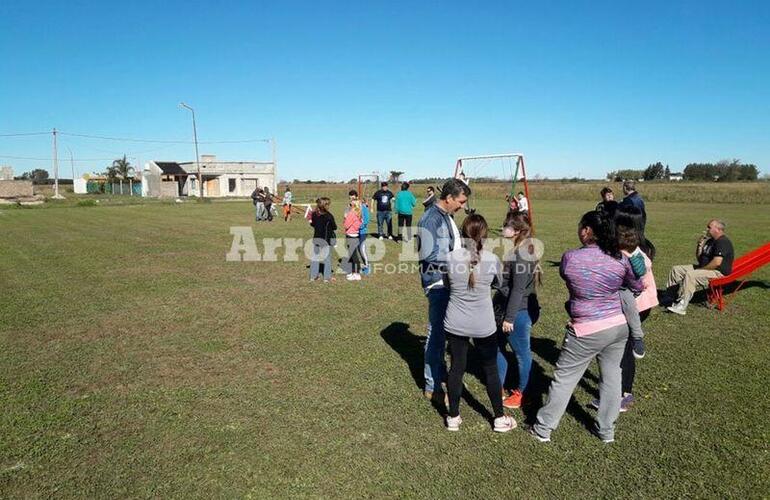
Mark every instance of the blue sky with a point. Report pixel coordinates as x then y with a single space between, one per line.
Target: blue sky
345 87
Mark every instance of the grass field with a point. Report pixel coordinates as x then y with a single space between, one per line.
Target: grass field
135 361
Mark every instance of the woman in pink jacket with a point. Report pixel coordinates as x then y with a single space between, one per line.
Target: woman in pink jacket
352 225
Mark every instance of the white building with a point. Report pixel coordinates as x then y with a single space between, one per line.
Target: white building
220 178
6 173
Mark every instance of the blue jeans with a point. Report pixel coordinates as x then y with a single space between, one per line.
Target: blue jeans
519 341
382 218
259 209
319 248
435 344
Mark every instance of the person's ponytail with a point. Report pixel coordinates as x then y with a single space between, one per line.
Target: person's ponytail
474 231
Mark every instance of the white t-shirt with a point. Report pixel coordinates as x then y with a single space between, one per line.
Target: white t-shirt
457 246
523 204
456 238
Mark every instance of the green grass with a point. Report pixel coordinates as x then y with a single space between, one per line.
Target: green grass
135 361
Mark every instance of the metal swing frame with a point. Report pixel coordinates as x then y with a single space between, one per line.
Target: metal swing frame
520 164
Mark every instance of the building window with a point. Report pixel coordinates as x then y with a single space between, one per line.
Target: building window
231 185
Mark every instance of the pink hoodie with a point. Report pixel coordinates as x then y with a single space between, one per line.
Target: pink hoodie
352 223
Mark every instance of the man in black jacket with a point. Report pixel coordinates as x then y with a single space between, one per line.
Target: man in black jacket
382 199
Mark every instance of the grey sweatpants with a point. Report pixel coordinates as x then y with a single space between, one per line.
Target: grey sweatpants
628 302
576 354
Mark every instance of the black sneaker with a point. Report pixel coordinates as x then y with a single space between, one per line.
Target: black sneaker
638 348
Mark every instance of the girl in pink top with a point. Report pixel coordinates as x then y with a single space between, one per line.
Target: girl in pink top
351 225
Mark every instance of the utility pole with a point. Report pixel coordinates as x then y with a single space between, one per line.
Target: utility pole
197 156
56 195
275 164
72 165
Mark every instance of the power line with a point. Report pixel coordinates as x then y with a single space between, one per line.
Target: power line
123 139
25 134
157 141
50 159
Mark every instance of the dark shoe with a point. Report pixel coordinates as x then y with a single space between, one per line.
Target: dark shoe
638 348
627 402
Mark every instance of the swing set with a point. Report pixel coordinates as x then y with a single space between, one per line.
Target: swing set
497 166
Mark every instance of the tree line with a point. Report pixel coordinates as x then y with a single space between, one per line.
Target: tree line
722 171
120 169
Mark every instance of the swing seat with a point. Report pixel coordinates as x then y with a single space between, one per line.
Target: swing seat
743 267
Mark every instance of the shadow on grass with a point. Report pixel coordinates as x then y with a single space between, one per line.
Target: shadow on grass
539 383
411 348
666 296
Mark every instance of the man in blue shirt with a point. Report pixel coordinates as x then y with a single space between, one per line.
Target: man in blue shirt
437 236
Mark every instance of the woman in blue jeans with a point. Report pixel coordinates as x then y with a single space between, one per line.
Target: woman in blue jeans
518 308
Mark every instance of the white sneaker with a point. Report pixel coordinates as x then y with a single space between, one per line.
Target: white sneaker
504 424
453 423
390 237
678 308
537 436
350 277
356 277
381 238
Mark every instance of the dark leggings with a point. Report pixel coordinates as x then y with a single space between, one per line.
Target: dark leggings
404 225
487 348
628 363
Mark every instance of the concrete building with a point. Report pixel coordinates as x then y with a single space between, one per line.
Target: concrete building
6 173
220 178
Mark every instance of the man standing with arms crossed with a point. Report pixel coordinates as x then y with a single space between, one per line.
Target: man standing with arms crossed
382 201
438 235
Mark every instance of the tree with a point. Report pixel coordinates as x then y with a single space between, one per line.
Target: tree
37 176
119 170
667 173
625 175
722 171
654 171
395 176
748 173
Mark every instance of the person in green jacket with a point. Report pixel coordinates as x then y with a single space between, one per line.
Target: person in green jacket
405 202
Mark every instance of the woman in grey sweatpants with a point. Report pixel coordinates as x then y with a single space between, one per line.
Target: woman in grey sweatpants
594 275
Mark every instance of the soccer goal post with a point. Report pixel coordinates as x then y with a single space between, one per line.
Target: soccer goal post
367 185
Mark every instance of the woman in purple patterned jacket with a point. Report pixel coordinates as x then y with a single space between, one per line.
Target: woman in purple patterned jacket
594 274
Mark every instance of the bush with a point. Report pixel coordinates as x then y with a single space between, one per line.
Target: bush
87 203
